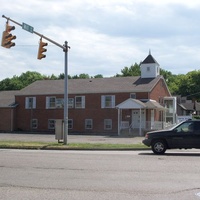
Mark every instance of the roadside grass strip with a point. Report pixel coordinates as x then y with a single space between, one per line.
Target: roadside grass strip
74 146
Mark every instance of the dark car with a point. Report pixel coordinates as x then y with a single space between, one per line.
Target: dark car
184 135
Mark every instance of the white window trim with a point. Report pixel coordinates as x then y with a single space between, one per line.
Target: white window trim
133 94
82 102
27 102
59 102
49 127
71 104
105 123
103 102
90 123
36 122
48 102
71 123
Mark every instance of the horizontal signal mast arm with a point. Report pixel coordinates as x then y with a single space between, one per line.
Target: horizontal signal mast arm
57 44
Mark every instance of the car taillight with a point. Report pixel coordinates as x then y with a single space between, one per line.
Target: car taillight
146 136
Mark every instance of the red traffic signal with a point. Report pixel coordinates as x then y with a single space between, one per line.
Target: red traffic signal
7 37
41 50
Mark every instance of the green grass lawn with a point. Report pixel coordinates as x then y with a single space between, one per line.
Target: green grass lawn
61 146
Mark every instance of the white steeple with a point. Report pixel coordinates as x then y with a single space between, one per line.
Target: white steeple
149 67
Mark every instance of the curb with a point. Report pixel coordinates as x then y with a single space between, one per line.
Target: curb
77 149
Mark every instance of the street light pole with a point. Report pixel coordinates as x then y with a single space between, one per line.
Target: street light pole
66 94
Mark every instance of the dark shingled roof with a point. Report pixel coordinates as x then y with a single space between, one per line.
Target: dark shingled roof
149 59
95 85
191 106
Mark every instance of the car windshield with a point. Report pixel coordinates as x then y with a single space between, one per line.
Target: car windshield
174 126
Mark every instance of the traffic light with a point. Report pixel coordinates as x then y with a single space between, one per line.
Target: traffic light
41 50
7 37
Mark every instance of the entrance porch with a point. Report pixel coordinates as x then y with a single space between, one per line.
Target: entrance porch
136 117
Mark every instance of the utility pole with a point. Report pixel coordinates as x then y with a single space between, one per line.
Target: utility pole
6 42
66 95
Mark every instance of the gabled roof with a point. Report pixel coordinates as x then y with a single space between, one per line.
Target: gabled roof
7 98
149 59
95 85
152 104
131 103
139 104
190 106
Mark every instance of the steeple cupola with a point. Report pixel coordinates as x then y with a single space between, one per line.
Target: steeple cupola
149 67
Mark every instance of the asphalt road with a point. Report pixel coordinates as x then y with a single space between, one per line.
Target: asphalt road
99 175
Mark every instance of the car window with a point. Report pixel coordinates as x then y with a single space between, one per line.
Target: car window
197 127
186 127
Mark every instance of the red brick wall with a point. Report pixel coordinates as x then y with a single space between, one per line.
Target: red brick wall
158 92
7 116
92 111
24 116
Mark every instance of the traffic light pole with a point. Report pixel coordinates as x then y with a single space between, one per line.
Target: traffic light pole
65 48
66 95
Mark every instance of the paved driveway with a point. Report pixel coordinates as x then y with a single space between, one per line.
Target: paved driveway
71 138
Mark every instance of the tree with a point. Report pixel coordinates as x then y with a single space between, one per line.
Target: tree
81 76
17 83
98 76
84 76
62 76
30 77
190 85
166 74
133 70
11 84
53 77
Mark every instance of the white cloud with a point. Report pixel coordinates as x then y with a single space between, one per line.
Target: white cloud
104 35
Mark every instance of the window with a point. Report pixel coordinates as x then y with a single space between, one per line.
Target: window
157 69
80 102
50 102
51 124
30 102
186 127
70 123
34 124
59 103
53 102
133 96
70 103
88 124
107 101
197 127
107 124
148 69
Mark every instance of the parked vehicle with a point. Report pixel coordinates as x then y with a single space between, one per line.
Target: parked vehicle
184 135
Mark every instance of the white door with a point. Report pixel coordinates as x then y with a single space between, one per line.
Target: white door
136 119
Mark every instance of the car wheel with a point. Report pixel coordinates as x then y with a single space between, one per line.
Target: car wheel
159 147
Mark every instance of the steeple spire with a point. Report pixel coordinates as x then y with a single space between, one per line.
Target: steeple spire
149 51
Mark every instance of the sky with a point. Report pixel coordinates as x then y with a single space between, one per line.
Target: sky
104 35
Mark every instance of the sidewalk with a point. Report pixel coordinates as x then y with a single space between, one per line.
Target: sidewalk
71 138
